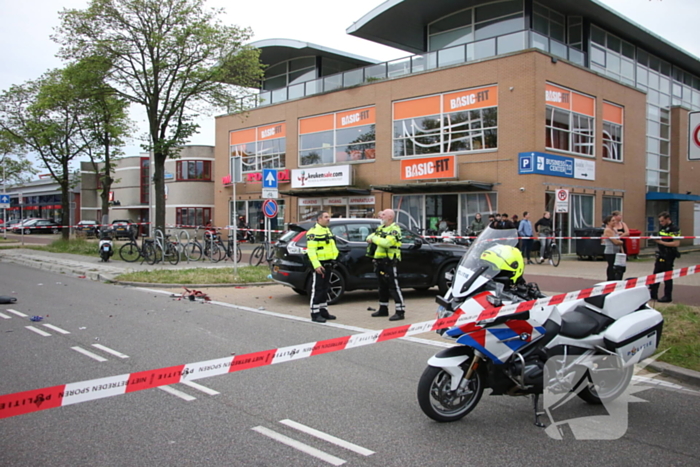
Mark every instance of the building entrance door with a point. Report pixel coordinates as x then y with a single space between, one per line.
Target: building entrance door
441 212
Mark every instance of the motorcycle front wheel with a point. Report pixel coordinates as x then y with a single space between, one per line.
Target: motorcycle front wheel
440 403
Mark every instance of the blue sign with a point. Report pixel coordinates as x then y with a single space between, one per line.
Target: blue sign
270 208
269 178
4 199
545 164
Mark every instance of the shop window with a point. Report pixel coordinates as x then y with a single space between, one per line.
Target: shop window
347 136
262 147
570 125
194 170
612 131
461 121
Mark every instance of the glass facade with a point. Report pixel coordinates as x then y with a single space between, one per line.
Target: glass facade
570 121
194 170
262 147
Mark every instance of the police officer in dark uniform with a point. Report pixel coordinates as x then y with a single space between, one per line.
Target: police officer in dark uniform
322 252
666 254
387 240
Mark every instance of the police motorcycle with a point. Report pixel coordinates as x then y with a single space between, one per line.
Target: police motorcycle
587 347
105 245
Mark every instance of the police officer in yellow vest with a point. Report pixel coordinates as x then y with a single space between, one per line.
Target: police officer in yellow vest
387 254
322 252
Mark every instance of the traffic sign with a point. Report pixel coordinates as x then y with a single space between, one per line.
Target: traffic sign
561 204
270 178
694 136
269 193
4 201
270 208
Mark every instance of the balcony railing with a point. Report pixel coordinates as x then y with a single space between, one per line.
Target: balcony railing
464 53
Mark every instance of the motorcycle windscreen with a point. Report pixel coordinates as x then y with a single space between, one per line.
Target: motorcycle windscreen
472 263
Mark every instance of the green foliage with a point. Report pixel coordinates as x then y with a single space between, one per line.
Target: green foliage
76 247
172 57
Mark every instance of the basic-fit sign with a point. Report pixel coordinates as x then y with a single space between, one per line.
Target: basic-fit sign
426 168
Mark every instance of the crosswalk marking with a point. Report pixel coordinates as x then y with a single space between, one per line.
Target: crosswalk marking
199 387
15 312
56 328
38 331
108 350
4 316
305 448
177 393
87 353
326 437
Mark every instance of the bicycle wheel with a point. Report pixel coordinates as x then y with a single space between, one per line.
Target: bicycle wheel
217 253
555 255
151 253
172 254
257 256
239 255
193 251
129 252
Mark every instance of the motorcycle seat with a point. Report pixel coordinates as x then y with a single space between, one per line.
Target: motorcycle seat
582 322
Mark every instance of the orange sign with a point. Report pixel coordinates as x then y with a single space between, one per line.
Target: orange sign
417 108
316 124
353 118
243 136
277 130
427 168
470 99
612 113
569 100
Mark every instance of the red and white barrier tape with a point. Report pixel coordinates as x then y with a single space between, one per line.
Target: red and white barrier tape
25 402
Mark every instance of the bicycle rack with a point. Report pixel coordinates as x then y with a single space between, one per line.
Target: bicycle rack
159 238
184 245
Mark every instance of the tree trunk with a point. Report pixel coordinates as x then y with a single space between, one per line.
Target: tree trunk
159 191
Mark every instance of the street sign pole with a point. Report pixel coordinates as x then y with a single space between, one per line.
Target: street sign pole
236 170
4 192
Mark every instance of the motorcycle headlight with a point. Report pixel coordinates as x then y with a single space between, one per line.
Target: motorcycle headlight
443 312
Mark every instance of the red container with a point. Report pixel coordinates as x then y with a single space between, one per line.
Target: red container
633 243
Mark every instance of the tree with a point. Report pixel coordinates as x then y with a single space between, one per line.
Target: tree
172 57
43 116
105 120
14 166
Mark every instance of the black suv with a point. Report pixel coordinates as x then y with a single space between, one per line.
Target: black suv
423 264
123 229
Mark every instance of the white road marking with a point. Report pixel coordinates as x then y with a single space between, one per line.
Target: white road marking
199 387
18 313
326 437
87 353
108 350
177 393
38 331
305 448
4 316
56 328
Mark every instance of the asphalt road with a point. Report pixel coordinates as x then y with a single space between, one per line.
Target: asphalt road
365 396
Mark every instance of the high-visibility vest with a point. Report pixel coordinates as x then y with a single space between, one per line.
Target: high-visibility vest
320 245
388 241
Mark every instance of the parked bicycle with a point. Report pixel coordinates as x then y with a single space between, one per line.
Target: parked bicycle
165 249
263 251
214 248
193 249
228 248
131 251
552 252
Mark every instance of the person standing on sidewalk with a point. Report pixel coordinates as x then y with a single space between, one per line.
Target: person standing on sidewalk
613 246
525 230
385 248
322 252
666 254
544 229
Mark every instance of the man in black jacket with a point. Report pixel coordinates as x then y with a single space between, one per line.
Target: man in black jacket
666 254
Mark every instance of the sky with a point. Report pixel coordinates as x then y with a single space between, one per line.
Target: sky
26 50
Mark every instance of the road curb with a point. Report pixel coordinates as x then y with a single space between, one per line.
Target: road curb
189 286
681 374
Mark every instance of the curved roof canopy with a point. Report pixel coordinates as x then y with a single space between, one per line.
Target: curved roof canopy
403 24
273 51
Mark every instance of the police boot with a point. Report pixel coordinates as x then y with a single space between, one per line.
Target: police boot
383 311
324 313
397 316
317 318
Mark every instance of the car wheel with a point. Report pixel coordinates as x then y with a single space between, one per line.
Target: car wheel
337 287
444 282
27 231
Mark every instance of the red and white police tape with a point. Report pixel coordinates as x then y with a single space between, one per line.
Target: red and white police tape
25 402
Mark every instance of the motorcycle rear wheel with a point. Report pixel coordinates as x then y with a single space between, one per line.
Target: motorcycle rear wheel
607 386
440 403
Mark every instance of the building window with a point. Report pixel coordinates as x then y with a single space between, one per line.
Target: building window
456 122
549 22
347 136
262 147
297 70
570 122
476 23
610 204
194 170
612 132
192 217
